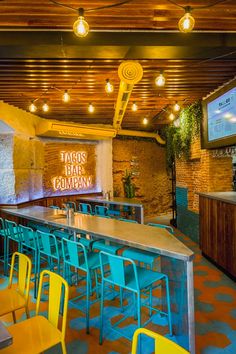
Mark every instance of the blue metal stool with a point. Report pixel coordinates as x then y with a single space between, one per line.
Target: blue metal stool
75 255
54 207
12 234
3 235
71 205
162 226
101 210
124 273
85 208
29 243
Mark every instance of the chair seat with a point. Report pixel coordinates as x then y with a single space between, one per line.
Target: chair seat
93 261
32 336
140 255
146 277
112 248
10 300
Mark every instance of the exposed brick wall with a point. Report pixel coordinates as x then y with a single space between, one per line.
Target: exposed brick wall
203 173
152 183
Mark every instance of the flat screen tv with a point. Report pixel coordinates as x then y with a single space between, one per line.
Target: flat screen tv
219 118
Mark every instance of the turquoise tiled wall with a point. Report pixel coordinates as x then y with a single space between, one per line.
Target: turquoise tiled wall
187 221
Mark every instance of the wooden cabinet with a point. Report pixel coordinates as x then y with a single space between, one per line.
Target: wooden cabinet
218 232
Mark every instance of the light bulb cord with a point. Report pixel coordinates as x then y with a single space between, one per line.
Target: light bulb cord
190 8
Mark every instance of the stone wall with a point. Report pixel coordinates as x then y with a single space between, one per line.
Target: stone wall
148 162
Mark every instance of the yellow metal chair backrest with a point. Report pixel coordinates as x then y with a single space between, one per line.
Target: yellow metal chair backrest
162 344
24 273
58 288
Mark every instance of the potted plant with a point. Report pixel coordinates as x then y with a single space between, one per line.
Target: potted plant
129 187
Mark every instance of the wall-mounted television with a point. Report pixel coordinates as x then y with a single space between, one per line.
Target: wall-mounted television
219 118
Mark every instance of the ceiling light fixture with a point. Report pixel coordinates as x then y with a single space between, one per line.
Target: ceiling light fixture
91 108
45 107
176 107
32 107
80 26
187 22
66 96
160 80
145 121
109 87
172 116
134 107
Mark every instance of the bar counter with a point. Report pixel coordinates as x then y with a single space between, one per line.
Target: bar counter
176 258
218 229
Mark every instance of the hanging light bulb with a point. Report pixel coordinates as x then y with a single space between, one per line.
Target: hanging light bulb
145 121
66 96
91 108
32 107
160 80
45 107
172 116
187 22
176 107
134 107
109 87
81 27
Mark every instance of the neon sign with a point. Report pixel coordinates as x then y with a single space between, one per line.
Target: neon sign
75 175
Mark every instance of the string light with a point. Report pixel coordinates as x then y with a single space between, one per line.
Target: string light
45 107
81 27
160 80
176 107
145 121
187 22
109 87
32 107
172 116
91 108
134 107
66 96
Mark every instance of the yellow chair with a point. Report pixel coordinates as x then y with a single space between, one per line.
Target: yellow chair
162 344
37 334
13 299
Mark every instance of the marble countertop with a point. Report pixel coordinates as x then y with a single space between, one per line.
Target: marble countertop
227 197
136 235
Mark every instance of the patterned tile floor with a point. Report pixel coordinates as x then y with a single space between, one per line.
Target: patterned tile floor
215 316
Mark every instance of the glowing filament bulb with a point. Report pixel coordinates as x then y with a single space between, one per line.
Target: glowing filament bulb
134 107
187 22
176 107
109 87
91 108
160 80
145 121
171 116
81 27
66 96
45 107
32 107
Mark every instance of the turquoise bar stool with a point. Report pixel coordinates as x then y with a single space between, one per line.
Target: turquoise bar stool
128 220
85 208
48 252
12 234
101 210
3 235
75 255
143 256
54 207
124 273
29 243
60 234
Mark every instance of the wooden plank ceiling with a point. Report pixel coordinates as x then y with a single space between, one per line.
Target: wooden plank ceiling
187 79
